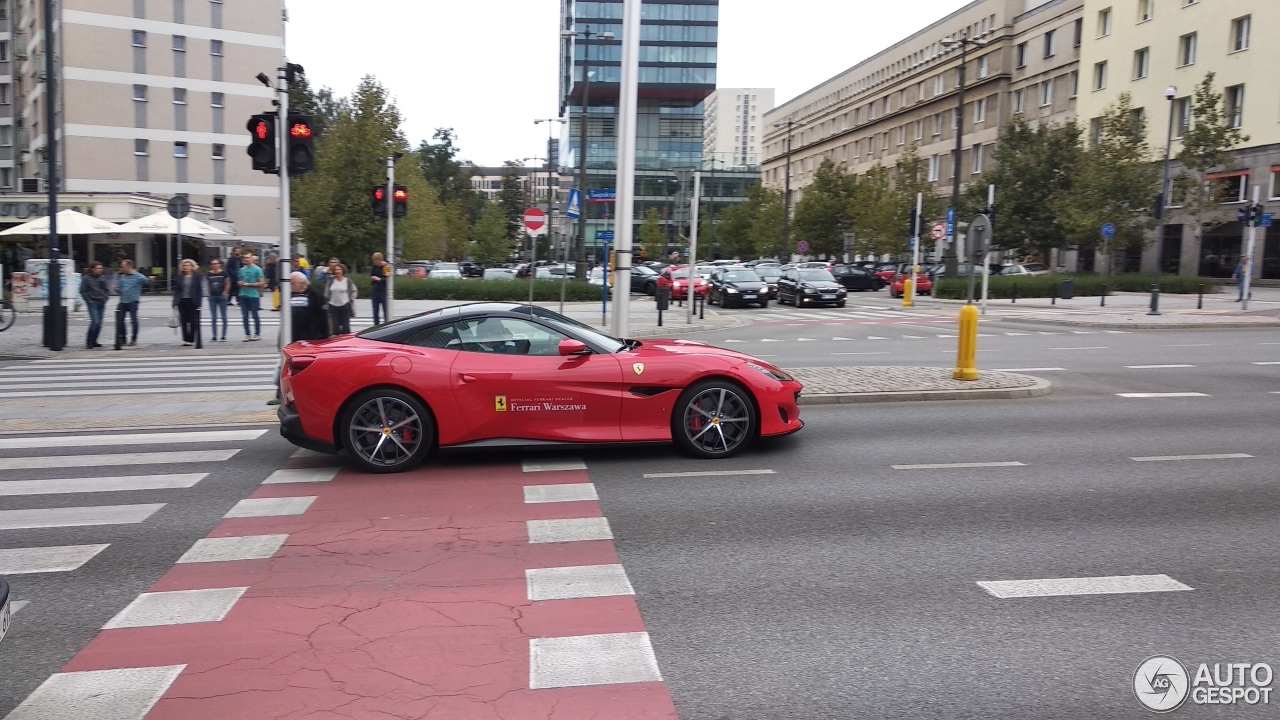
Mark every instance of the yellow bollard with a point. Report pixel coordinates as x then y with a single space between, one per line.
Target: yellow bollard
908 293
966 361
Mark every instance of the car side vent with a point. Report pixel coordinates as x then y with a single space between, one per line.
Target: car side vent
649 390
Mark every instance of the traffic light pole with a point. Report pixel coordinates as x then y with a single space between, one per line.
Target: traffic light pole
286 225
1246 268
391 236
55 317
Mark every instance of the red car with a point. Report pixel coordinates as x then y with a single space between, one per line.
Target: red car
677 278
924 284
488 375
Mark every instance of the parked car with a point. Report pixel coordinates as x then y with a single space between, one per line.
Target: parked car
677 278
886 271
644 279
815 264
737 285
1025 269
924 283
810 286
769 274
499 274
856 278
415 271
444 274
470 269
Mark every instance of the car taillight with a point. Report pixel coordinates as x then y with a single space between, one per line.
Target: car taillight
299 363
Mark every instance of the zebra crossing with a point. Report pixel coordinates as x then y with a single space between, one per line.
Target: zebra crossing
874 313
126 374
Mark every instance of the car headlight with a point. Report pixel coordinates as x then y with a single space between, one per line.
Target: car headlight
731 290
809 291
774 373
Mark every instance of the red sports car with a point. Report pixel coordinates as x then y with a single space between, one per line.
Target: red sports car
677 278
924 284
487 375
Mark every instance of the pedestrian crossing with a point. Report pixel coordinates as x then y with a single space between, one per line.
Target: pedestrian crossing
878 313
911 331
191 372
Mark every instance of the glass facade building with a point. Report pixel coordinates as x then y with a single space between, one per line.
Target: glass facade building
677 72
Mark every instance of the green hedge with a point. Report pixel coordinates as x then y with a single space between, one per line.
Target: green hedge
1044 286
408 288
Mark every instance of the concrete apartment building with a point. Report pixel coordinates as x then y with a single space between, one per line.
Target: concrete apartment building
152 102
906 95
1142 47
733 126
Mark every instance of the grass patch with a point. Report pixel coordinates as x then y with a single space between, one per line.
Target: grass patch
1086 285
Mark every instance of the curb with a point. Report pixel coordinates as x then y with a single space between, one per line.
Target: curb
1041 388
1236 325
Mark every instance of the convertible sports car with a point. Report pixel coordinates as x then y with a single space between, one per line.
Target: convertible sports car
487 375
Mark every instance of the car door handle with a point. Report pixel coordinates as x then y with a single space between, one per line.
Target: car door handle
468 378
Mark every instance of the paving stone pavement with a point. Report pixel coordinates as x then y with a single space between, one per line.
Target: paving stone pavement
833 385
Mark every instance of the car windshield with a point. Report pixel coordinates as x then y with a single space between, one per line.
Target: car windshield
556 320
643 270
447 266
741 276
1036 268
498 274
815 275
681 273
768 273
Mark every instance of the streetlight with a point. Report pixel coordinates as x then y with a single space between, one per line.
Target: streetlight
1170 94
789 124
551 225
949 256
580 271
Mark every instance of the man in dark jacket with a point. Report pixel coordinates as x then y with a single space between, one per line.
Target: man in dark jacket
307 312
95 290
233 271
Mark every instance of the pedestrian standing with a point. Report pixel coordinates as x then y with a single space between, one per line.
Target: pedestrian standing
252 281
378 273
188 299
340 295
95 290
234 263
129 285
1238 274
219 293
310 321
272 270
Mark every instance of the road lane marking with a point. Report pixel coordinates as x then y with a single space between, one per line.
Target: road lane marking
304 475
123 483
874 337
270 507
189 389
1117 332
29 443
227 549
1190 345
1162 395
1268 363
1221 456
24 382
76 516
124 694
1083 332
179 607
553 465
861 353
569 530
1097 347
137 361
949 466
1053 587
585 581
27 561
567 492
1017 334
1156 367
154 370
707 473
586 660
156 458
1044 369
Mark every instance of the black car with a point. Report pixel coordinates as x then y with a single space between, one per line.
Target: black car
470 269
856 278
737 286
644 279
810 286
770 274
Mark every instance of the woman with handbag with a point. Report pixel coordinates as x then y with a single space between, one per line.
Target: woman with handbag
188 297
340 296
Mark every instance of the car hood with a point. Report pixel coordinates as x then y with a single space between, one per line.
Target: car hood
821 285
747 285
665 348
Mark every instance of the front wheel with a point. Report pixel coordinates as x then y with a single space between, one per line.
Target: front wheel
713 419
387 430
7 315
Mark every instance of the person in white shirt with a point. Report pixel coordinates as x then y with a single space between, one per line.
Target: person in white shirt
340 297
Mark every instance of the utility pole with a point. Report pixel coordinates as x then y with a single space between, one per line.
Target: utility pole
786 200
949 253
1246 269
286 75
580 270
55 315
391 234
1162 204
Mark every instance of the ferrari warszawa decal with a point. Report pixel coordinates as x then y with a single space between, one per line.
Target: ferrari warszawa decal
503 404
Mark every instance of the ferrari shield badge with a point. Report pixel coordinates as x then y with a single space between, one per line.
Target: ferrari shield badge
500 403
638 367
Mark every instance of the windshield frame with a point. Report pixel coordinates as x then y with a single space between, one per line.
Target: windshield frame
814 275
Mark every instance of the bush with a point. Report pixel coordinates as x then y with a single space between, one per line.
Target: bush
1086 284
408 288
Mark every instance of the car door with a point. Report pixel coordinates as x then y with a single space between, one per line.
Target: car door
787 285
511 382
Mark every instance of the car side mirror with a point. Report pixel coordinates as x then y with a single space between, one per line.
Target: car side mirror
573 347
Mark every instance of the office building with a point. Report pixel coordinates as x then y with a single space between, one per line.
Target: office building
733 126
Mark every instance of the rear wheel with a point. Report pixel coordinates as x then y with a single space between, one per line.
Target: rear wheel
387 430
713 419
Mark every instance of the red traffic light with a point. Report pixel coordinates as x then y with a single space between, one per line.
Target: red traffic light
378 193
300 130
262 130
401 195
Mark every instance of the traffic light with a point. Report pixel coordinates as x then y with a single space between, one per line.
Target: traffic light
1255 214
262 143
400 199
302 145
380 201
912 223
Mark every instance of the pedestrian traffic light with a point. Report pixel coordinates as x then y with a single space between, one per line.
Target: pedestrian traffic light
1255 214
262 143
912 224
302 147
380 201
400 199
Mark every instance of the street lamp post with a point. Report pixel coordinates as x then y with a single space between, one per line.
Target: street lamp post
580 271
1170 94
949 256
551 224
786 192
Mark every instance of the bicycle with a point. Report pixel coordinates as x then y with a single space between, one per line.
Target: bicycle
7 315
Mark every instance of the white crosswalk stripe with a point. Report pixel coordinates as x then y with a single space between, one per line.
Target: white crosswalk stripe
117 376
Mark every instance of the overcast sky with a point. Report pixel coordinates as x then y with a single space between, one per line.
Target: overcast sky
488 68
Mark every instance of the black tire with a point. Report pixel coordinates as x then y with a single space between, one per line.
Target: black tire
841 304
764 303
878 286
704 411
387 414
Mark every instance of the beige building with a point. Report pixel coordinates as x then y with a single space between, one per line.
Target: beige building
1143 47
153 100
733 126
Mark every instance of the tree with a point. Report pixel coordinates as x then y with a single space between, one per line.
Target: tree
442 168
651 236
512 197
1034 171
491 242
733 225
911 177
1206 146
1115 182
877 222
766 222
823 215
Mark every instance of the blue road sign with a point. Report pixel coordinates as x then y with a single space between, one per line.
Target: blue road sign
574 210
1108 230
951 222
802 246
602 196
1267 218
606 235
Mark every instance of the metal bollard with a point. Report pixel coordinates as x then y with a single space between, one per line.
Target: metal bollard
1104 295
967 356
119 329
702 307
1013 288
1200 298
1057 290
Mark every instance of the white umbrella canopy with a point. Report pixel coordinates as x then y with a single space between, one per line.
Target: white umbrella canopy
70 222
162 223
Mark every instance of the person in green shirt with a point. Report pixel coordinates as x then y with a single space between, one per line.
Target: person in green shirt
252 281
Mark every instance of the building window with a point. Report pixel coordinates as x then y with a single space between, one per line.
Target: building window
1051 43
6 178
1046 93
215 47
219 207
4 93
1235 106
217 99
937 124
1187 50
180 43
920 92
1146 10
884 143
219 151
1021 52
180 150
983 67
1095 131
4 51
6 135
141 147
933 168
919 129
1075 83
1234 188
140 93
1079 33
1104 22
955 120
1182 116
1240 33
939 85
139 38
1141 63
1275 183
179 96
977 159
1019 101
1100 75
980 110
902 135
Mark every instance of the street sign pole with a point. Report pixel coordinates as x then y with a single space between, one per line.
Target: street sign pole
693 243
1248 258
986 258
391 236
915 252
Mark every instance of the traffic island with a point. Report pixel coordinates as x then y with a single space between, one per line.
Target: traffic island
840 385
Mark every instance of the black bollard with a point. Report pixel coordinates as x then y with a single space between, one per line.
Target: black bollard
1200 299
702 309
1057 290
659 314
199 344
119 329
1013 289
1104 295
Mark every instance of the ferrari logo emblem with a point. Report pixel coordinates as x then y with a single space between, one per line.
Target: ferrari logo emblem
500 403
638 367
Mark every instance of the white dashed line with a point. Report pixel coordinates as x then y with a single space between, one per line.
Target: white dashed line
1162 395
1156 367
1046 369
1052 587
1267 363
1162 458
950 466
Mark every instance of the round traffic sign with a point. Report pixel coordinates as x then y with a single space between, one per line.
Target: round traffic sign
802 246
1108 230
179 207
534 219
938 232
